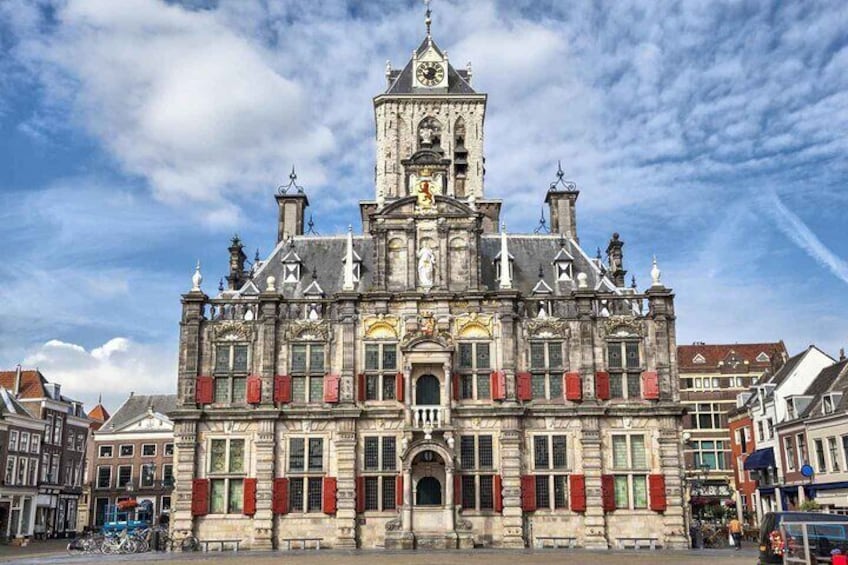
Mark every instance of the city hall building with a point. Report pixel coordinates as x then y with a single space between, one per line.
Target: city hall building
430 381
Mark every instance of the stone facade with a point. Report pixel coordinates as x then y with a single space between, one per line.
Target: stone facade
434 381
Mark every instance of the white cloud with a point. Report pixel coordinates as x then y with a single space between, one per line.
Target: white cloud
114 369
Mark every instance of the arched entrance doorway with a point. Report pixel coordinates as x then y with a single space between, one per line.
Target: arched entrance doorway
427 391
428 492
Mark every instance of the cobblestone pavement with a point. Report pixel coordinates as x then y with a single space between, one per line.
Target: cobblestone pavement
470 557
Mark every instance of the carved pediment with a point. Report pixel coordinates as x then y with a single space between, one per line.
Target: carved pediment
381 327
547 328
308 330
474 325
445 205
233 331
622 326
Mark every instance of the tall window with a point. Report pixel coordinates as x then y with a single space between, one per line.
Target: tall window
820 460
708 416
380 369
124 475
24 444
624 367
13 440
226 474
789 450
546 369
231 367
148 474
11 461
307 371
550 463
168 475
474 368
834 454
711 454
477 462
379 457
57 431
801 443
630 471
306 472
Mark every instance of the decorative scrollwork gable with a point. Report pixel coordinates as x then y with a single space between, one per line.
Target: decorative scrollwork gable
622 326
381 326
308 330
474 325
233 331
550 328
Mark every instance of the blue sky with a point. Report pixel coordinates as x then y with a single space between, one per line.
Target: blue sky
138 136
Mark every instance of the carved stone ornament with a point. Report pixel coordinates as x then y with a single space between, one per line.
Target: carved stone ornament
394 525
474 325
426 329
381 327
233 331
547 328
308 330
464 525
622 326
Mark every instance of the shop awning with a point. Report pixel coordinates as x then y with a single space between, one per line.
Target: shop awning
760 459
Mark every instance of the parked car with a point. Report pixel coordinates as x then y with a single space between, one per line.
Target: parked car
822 540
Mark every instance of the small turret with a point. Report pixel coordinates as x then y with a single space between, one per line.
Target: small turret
615 260
237 274
562 199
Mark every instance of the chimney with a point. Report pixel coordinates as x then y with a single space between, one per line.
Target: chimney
17 380
841 355
562 200
237 259
292 204
615 259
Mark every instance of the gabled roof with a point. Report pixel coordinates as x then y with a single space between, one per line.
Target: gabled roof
714 353
136 406
32 383
99 413
830 379
401 81
788 368
10 405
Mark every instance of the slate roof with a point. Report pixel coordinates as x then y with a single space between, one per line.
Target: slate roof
326 255
831 379
401 81
136 405
10 405
787 369
715 353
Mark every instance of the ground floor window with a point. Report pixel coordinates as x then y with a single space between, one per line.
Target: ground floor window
305 494
551 492
227 496
631 491
380 493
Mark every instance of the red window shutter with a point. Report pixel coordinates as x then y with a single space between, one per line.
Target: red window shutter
523 389
249 497
399 491
608 493
329 505
497 494
204 390
457 490
528 493
282 389
602 385
254 389
360 387
200 497
656 491
573 387
281 496
360 495
577 487
498 385
331 388
455 386
399 387
650 385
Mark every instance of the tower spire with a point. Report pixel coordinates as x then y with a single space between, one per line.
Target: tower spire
427 20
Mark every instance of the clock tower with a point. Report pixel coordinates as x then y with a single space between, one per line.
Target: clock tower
429 127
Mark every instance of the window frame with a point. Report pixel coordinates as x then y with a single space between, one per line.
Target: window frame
385 376
13 440
118 484
145 445
549 373
630 471
308 374
121 451
380 475
474 372
227 477
230 374
624 373
141 475
478 472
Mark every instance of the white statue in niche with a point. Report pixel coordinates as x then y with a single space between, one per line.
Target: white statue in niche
426 266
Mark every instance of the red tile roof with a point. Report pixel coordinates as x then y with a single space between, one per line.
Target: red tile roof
99 413
32 383
713 354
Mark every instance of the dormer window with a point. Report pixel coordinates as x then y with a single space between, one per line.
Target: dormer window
497 262
563 266
699 359
829 402
357 265
291 268
762 358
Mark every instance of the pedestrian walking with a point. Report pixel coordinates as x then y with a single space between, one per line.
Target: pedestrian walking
735 528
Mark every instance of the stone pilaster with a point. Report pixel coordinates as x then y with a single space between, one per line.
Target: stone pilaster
185 453
513 518
189 355
268 345
345 442
594 524
347 320
671 459
263 520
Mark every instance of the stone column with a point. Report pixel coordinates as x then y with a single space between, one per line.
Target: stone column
449 504
671 461
345 442
407 395
406 511
267 353
263 520
594 521
510 467
347 320
778 499
447 392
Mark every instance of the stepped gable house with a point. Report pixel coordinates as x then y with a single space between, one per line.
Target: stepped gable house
432 381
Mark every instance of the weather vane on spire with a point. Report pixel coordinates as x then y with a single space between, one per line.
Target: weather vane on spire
427 20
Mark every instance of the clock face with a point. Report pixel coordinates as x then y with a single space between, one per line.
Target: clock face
430 73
